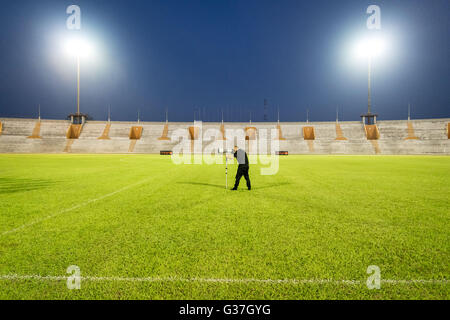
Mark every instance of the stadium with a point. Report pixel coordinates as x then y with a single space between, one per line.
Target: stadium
101 195
117 209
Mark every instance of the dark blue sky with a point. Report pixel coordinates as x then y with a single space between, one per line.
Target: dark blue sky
228 55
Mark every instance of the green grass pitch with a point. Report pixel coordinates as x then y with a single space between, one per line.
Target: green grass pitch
130 217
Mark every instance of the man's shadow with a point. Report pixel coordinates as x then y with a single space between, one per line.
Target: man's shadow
203 184
273 185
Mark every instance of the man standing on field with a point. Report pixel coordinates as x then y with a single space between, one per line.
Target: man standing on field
243 167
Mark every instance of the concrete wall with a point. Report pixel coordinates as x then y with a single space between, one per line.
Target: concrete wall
429 137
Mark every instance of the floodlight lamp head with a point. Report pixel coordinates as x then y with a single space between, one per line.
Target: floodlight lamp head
78 47
370 47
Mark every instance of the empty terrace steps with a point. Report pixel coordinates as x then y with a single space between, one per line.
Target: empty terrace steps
328 138
397 130
150 142
120 131
17 133
432 129
118 146
122 138
433 137
16 136
98 137
54 129
413 137
138 139
17 127
93 130
325 132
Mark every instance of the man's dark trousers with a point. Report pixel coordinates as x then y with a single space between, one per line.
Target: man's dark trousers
242 171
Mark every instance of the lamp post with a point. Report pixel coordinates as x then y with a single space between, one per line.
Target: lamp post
78 84
369 48
369 71
78 48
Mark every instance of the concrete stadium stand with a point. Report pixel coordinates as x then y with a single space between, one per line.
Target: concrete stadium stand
427 136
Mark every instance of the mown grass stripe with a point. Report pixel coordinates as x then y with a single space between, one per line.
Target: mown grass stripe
78 206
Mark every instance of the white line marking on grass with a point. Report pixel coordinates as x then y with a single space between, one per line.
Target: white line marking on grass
213 280
73 208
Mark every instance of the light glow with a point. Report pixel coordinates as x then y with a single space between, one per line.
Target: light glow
370 47
78 47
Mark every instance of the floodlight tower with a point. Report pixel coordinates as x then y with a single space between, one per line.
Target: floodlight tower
78 84
78 47
370 48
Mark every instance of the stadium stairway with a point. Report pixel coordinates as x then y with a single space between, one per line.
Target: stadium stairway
36 134
105 133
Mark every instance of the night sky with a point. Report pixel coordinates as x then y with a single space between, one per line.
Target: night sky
224 55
